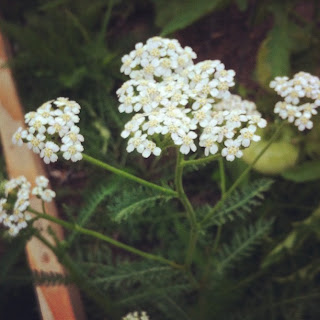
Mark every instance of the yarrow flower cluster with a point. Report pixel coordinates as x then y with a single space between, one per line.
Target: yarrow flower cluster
136 316
183 101
16 200
301 98
52 128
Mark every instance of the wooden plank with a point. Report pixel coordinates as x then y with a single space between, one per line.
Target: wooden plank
56 302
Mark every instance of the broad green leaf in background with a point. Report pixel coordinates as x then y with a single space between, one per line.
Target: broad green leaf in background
177 14
301 231
273 57
307 171
242 4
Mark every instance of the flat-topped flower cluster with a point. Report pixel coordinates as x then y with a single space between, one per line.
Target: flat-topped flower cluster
301 98
16 200
52 128
183 102
136 316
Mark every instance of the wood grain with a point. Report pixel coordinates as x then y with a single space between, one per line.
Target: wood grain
55 302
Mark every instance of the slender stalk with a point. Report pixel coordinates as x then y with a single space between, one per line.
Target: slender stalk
127 175
181 194
191 246
242 176
75 20
201 160
106 20
217 239
188 207
222 177
105 238
213 249
223 194
43 207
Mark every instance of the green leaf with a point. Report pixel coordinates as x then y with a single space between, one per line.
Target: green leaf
242 202
242 244
9 258
52 5
74 78
295 238
177 14
307 171
139 206
130 274
93 200
273 57
242 4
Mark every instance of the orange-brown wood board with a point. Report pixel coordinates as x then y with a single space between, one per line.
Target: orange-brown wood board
56 302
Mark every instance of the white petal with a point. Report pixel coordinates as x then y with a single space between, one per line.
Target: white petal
146 153
184 149
157 151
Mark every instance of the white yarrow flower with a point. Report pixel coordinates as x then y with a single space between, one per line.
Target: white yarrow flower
174 98
48 153
302 85
247 135
187 142
136 316
137 142
47 195
304 122
150 148
72 151
36 142
56 118
42 181
232 150
18 136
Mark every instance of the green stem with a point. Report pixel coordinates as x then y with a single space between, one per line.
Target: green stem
223 194
75 20
43 207
181 194
188 207
222 177
127 175
191 246
217 239
105 238
241 177
106 20
201 160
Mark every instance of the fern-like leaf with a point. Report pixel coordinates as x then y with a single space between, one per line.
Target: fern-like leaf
156 293
93 200
134 202
242 244
129 275
242 202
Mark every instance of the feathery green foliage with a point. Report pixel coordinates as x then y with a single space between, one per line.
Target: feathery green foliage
171 290
242 202
242 244
17 246
133 202
133 274
93 200
68 48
